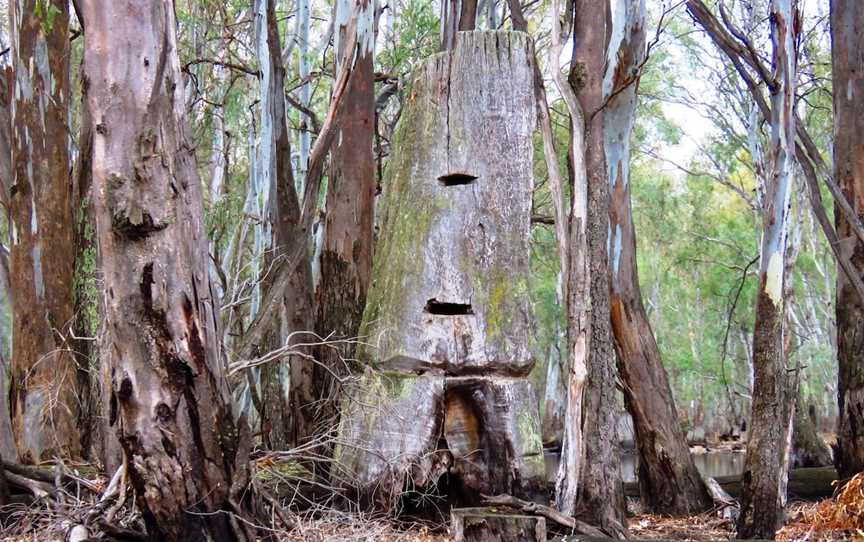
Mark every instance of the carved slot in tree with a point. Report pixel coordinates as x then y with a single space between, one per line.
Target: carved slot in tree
457 179
433 306
454 407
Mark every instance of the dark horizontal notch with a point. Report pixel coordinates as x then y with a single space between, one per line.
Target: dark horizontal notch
456 179
433 306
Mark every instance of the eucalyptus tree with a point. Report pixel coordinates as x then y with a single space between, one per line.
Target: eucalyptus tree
170 401
42 202
7 440
847 25
767 459
345 260
589 472
286 385
668 479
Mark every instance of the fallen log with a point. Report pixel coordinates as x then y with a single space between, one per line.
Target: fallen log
810 483
46 475
37 488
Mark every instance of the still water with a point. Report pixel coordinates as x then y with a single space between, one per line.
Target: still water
712 463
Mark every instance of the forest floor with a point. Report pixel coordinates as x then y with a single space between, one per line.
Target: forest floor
801 526
838 518
806 523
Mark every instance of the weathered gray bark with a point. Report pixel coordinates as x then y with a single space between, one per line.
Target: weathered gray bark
668 478
170 401
571 233
767 459
448 313
345 260
42 202
847 26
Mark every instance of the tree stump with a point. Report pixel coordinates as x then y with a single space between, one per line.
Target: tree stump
448 316
491 525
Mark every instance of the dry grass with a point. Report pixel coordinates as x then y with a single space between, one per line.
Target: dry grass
839 518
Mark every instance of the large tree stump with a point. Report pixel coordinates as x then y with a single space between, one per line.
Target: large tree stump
448 315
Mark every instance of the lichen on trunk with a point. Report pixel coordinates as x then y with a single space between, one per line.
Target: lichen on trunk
445 390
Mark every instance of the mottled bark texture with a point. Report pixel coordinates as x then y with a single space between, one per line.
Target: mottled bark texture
766 462
346 250
601 493
287 384
847 48
42 201
445 390
668 480
7 440
169 395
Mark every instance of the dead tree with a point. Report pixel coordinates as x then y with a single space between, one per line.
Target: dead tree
42 204
448 315
170 402
668 480
847 25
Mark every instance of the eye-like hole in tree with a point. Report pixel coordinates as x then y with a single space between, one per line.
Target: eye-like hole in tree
433 306
456 179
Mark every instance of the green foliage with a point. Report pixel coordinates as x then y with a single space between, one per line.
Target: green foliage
86 289
413 38
46 12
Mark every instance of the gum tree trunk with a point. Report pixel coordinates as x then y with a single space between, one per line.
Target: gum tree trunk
287 384
600 491
346 252
767 459
42 201
170 402
668 480
847 26
7 440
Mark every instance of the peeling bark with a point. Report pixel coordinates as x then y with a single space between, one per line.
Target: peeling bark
768 446
668 480
345 260
42 202
7 440
170 402
601 493
847 26
287 384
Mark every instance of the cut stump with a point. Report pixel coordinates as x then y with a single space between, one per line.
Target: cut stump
491 525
